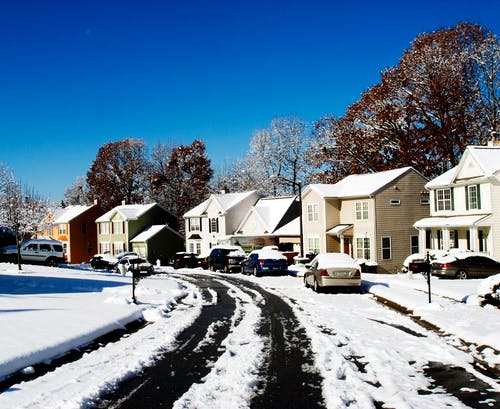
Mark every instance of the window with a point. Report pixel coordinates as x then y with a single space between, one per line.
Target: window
45 247
395 202
313 244
312 212
104 247
194 224
118 227
214 225
62 228
118 247
84 228
104 228
362 210
386 248
472 197
414 245
363 248
444 199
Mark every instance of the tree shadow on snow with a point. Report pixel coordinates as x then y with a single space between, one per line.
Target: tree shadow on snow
24 285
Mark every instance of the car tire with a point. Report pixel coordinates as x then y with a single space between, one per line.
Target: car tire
462 275
51 262
255 272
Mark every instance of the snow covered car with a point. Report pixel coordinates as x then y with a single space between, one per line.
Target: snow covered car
134 262
183 259
261 262
37 251
465 265
332 270
226 258
103 261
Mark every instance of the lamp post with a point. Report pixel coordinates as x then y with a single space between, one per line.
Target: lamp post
299 186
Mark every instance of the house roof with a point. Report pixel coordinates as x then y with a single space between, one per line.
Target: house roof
150 232
129 212
225 202
290 229
487 158
451 222
66 214
270 211
358 185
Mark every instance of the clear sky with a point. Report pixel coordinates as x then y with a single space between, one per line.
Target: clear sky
75 75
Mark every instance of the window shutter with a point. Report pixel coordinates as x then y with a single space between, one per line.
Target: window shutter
217 221
201 224
466 197
478 197
189 224
435 200
210 225
452 199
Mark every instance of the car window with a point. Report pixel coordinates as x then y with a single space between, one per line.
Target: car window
32 247
57 247
44 247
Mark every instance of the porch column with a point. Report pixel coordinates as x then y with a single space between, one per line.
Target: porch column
421 241
341 237
446 238
474 240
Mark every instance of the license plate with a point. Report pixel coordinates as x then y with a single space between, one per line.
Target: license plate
342 274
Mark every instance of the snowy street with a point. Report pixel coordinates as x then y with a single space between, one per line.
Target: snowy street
227 340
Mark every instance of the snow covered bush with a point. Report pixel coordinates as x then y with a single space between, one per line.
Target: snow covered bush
488 292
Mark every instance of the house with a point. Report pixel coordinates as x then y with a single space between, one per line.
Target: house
367 216
117 228
157 242
271 221
75 227
465 209
213 221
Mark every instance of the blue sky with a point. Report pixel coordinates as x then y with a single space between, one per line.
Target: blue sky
75 75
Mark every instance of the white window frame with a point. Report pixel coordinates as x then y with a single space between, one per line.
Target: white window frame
118 247
194 224
118 227
313 244
473 197
104 247
361 209
62 229
443 199
363 250
312 212
104 228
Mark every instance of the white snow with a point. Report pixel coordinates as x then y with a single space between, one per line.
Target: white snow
45 312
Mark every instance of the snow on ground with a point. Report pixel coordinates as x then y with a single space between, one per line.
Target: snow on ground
47 311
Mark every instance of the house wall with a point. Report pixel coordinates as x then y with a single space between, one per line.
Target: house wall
314 229
361 228
82 236
494 220
396 221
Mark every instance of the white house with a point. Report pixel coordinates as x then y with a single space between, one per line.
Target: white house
216 219
465 205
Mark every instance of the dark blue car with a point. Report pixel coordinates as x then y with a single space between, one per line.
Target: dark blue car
260 262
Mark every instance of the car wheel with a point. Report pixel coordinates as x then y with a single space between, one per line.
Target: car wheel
461 275
255 272
51 262
212 267
316 286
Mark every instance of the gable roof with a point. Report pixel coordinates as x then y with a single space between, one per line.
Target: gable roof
485 158
225 201
269 211
66 214
129 212
359 185
152 231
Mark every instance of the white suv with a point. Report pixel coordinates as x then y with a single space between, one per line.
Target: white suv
39 251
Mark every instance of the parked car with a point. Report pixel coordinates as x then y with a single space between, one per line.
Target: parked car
103 261
37 251
261 262
465 265
332 270
134 262
184 259
226 258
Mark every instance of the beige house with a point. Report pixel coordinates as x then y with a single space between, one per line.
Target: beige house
368 216
465 205
216 219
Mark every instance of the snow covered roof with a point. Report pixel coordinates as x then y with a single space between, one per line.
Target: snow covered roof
66 214
129 212
270 211
290 229
445 179
358 185
455 221
224 200
151 231
487 157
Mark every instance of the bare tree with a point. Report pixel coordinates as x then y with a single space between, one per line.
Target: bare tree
78 193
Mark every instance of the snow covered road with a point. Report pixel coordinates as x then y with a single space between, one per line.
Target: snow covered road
272 344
